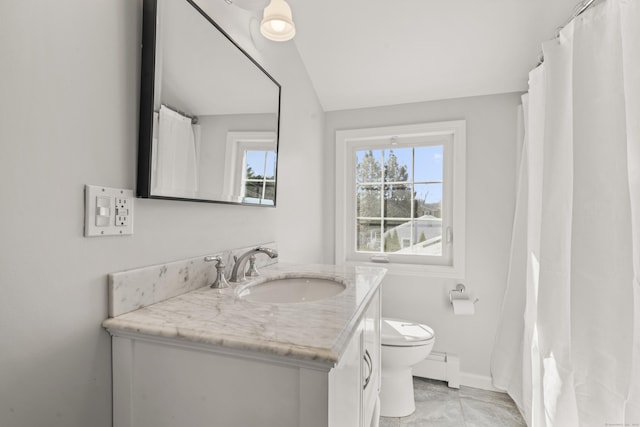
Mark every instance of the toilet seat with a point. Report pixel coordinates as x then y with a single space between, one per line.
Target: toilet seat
403 333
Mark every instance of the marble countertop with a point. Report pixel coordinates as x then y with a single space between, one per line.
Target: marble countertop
315 330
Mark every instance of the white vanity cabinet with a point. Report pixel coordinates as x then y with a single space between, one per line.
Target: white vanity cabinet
166 382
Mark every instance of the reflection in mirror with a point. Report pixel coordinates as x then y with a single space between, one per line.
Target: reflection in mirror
209 113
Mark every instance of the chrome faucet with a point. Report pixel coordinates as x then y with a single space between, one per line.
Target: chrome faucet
239 269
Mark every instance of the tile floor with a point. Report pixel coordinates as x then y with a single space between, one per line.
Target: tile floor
440 406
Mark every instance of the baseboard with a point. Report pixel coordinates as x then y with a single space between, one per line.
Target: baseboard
440 366
446 367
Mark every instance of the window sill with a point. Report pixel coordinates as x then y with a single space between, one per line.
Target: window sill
436 271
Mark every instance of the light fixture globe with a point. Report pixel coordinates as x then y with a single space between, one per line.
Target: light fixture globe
277 22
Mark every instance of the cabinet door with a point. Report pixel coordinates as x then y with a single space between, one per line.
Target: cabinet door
371 355
354 384
345 395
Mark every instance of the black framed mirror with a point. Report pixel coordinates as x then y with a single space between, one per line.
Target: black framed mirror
209 113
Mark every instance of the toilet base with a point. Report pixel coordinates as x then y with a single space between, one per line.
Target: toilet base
396 393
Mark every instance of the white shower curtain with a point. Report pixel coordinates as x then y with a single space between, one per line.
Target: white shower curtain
175 155
568 344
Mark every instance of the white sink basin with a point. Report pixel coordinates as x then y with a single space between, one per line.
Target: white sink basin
290 290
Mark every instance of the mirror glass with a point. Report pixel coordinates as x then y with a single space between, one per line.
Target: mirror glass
209 113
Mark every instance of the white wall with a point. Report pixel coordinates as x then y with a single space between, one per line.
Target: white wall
69 84
491 148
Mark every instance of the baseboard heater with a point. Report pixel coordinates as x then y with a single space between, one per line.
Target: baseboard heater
440 366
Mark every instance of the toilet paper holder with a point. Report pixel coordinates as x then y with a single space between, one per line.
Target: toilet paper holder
459 290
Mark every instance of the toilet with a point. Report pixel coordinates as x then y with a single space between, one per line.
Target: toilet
404 344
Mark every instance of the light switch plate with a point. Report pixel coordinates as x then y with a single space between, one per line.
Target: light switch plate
107 211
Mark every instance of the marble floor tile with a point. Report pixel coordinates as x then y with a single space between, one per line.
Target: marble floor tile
425 388
437 405
481 414
435 409
485 396
389 422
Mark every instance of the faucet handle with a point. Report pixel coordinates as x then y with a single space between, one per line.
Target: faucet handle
253 270
221 281
217 258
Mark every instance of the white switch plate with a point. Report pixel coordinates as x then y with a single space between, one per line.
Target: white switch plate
107 211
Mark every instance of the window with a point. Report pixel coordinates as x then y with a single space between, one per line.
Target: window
400 194
258 178
251 160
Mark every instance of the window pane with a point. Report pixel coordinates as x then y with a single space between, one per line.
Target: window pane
397 198
428 237
253 190
270 191
271 165
397 165
369 166
428 162
397 235
369 239
254 164
428 200
422 237
368 202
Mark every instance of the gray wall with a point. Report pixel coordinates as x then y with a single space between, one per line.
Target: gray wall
69 76
491 151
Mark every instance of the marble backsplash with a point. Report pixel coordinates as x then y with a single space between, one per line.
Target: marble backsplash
137 288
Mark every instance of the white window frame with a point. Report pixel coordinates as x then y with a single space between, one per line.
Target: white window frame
454 233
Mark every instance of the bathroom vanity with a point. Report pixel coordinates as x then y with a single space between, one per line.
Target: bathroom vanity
210 357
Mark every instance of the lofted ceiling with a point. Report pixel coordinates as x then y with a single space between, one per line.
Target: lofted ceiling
366 53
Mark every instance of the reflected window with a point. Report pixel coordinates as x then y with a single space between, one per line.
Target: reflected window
259 180
251 163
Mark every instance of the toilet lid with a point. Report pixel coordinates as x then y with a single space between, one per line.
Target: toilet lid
403 333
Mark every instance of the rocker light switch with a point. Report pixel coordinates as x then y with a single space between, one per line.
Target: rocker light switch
108 211
103 211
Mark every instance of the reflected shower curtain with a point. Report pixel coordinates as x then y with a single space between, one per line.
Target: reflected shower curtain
568 344
175 156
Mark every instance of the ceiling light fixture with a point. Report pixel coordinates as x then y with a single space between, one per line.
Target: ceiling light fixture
277 22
